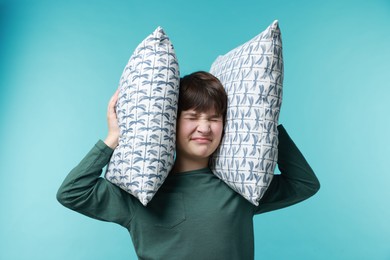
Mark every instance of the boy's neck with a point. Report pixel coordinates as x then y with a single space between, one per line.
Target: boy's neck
186 166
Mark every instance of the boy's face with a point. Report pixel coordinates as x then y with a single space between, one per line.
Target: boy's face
198 134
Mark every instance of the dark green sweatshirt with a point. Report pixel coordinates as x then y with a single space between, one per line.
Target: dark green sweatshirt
194 215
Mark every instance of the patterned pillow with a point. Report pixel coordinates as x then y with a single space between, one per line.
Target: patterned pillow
252 75
146 110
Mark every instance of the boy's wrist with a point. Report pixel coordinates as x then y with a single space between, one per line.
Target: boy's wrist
111 142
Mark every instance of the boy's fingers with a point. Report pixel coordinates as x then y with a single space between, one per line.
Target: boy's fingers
112 102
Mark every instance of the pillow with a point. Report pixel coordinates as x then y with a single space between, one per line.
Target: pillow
146 111
252 75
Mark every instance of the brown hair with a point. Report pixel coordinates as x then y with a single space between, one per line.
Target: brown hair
201 91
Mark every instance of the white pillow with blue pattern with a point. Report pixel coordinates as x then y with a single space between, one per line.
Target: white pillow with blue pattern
252 75
146 111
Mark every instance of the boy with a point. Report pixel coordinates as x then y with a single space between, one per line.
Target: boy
194 215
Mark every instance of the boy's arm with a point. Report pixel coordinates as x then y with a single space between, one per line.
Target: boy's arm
84 191
296 182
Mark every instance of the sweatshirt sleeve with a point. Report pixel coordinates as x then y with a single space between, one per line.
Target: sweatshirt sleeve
296 182
84 191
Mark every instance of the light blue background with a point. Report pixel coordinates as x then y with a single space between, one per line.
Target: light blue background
61 61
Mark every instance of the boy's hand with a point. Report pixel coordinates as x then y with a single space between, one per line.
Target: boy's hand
112 121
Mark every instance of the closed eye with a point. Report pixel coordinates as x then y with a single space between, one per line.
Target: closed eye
215 118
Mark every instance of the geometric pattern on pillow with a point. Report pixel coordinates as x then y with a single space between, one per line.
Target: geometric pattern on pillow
146 111
252 75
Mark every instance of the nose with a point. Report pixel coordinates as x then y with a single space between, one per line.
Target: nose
204 127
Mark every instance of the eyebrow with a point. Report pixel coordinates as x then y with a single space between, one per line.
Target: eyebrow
190 113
